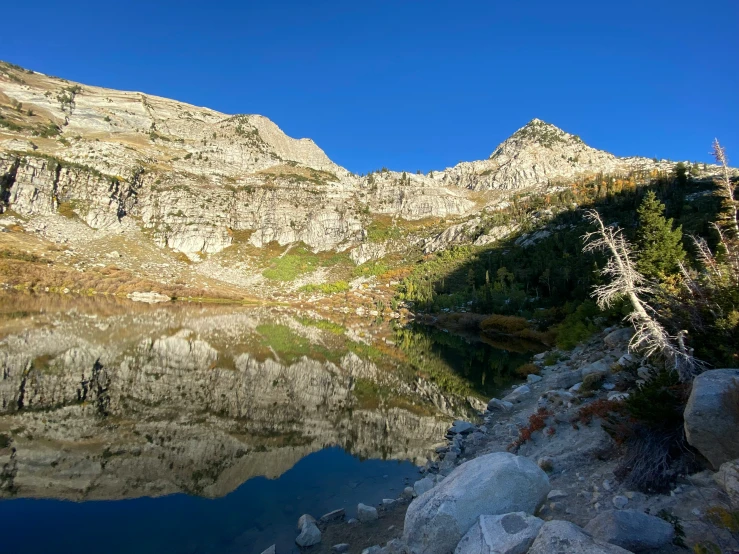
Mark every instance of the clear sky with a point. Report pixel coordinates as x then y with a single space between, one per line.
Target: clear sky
414 84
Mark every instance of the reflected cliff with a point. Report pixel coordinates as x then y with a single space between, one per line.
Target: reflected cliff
108 399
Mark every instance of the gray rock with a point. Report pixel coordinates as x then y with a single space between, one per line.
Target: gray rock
305 518
502 534
518 394
352 521
336 515
423 485
556 495
387 502
599 368
372 550
492 484
710 421
366 513
727 478
644 373
461 427
619 337
631 529
340 548
310 535
408 493
499 405
619 502
627 361
396 546
531 378
564 380
563 537
271 550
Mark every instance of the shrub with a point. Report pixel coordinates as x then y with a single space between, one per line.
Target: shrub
327 288
506 324
577 326
527 369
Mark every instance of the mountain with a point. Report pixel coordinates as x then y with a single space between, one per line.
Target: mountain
143 180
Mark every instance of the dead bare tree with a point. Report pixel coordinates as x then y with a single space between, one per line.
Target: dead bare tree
625 281
728 188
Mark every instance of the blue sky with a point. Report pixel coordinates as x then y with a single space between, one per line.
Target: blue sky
416 85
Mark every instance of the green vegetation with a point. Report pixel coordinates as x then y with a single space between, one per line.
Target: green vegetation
659 246
300 260
541 274
326 288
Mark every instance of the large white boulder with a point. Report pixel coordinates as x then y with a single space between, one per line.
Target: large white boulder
631 529
503 534
712 415
494 484
563 537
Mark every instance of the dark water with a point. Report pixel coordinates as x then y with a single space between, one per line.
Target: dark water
199 429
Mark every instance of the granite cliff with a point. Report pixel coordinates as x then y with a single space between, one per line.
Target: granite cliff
100 170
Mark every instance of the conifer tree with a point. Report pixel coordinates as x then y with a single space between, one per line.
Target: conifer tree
659 246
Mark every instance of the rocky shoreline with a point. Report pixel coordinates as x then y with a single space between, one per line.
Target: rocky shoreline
538 474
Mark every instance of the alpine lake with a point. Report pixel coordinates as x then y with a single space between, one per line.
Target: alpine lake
204 428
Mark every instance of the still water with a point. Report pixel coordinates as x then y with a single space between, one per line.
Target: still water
204 428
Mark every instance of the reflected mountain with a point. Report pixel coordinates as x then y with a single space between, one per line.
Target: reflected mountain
107 399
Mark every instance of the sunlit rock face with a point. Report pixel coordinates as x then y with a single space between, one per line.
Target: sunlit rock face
191 177
113 403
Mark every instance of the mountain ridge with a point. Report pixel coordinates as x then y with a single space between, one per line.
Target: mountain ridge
82 165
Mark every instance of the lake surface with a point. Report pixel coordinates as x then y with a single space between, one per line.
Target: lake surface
209 428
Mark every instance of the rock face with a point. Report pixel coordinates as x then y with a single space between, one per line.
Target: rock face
493 484
198 181
712 415
630 529
563 537
504 534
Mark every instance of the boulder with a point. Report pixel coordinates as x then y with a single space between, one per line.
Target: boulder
366 513
336 515
563 537
518 394
309 535
271 550
712 415
727 478
340 548
631 529
461 427
599 368
565 380
531 378
499 405
423 485
305 518
620 501
493 484
502 534
619 337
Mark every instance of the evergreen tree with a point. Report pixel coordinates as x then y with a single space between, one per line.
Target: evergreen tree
659 246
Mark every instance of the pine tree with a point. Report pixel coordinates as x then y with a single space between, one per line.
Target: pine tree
659 246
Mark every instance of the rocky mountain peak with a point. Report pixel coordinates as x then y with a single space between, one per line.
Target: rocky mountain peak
538 133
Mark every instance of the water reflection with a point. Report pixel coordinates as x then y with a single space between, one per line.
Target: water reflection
103 399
